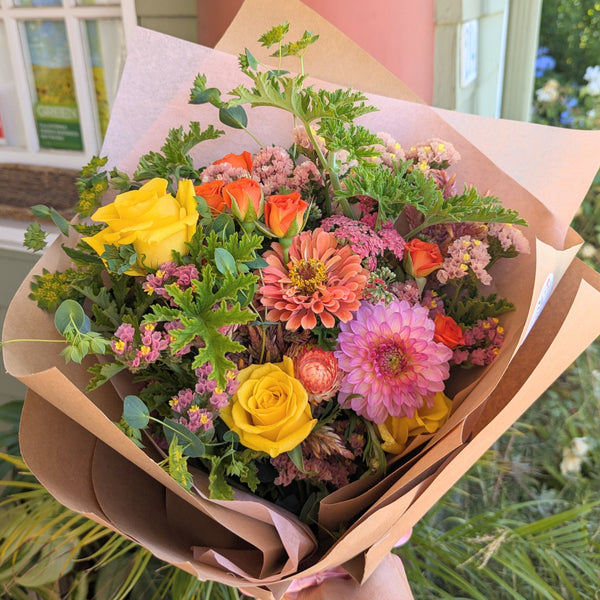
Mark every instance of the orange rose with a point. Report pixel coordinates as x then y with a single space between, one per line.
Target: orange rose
284 214
422 258
448 332
238 161
211 193
245 199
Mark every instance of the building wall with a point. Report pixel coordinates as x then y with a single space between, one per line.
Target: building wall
175 17
399 34
14 266
483 95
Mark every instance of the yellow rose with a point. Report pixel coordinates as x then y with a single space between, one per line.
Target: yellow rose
395 431
270 411
150 219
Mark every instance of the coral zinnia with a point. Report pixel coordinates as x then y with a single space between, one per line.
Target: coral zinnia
321 279
391 362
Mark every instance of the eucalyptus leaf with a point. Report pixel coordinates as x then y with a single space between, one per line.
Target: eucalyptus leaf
135 412
233 116
59 221
225 261
210 95
192 444
41 211
257 263
252 62
68 315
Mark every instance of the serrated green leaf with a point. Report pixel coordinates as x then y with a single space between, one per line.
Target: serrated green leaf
218 487
102 372
35 237
297 48
135 412
178 464
275 35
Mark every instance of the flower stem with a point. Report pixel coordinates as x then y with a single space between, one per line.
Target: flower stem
329 169
63 341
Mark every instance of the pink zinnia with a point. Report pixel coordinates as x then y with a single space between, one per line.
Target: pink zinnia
391 362
321 280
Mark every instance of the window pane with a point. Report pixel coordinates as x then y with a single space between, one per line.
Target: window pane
11 122
38 2
98 2
55 104
106 42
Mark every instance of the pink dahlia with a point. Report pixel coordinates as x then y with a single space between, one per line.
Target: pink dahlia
391 362
320 280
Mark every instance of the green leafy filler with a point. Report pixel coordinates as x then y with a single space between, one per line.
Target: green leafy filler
183 445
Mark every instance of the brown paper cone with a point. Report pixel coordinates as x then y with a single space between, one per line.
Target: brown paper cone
248 542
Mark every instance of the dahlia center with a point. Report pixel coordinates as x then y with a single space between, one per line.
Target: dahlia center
390 360
307 275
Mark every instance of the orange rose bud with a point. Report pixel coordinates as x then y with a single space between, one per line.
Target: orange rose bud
238 161
245 199
422 258
448 332
211 193
284 214
317 370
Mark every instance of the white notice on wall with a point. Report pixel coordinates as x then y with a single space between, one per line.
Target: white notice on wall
469 43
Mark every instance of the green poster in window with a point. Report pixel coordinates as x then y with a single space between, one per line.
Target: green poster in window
95 46
55 110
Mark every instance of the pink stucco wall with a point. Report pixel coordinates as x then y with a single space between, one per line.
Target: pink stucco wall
398 33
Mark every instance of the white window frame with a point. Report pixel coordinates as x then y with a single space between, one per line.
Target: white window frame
73 16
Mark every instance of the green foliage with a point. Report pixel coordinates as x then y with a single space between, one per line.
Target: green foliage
72 323
299 47
355 139
50 289
120 259
174 162
218 487
49 552
569 29
469 310
397 189
178 465
306 103
135 412
275 35
92 184
35 237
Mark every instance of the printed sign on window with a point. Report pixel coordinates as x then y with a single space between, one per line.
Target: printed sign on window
55 111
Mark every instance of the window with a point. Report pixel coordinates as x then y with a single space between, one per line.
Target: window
60 63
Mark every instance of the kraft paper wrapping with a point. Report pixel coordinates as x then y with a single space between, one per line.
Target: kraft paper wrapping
68 437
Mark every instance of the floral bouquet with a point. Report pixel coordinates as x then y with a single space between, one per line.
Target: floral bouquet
277 354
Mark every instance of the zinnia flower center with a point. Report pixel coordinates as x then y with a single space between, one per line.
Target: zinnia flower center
307 275
390 360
